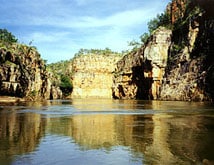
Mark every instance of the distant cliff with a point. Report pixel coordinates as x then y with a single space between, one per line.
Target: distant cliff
175 61
23 73
93 74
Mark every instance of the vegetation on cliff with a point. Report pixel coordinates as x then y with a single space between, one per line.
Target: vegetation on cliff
7 37
22 71
189 55
105 52
189 67
61 76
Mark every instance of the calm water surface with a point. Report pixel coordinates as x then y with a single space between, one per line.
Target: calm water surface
106 132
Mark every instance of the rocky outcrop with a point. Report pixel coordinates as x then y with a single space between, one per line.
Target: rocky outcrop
176 9
172 65
189 75
92 75
139 74
23 73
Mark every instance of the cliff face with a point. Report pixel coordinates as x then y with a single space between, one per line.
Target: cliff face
23 73
172 65
92 75
189 74
139 75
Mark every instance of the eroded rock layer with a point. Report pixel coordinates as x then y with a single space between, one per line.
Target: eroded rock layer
139 74
175 64
92 75
23 73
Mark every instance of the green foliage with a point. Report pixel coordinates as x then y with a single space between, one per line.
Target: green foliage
57 69
144 37
33 93
162 19
66 85
106 52
6 36
134 44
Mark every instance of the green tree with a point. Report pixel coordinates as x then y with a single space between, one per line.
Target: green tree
7 36
66 85
144 37
162 19
134 44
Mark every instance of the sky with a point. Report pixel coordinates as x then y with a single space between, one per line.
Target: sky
60 28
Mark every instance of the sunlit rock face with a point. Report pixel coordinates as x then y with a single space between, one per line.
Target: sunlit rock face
156 53
23 73
189 75
139 74
92 75
172 65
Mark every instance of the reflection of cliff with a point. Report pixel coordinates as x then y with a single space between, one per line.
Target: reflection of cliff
19 133
160 138
96 131
196 135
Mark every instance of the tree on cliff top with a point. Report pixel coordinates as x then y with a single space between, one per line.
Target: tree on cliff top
105 52
8 37
162 19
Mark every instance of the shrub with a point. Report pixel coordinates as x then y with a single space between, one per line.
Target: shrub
6 36
66 85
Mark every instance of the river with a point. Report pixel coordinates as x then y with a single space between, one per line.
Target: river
106 132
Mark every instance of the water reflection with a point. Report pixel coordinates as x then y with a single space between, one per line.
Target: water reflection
19 134
172 133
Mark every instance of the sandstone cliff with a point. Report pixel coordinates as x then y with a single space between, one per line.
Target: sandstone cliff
92 75
174 64
190 69
139 74
23 73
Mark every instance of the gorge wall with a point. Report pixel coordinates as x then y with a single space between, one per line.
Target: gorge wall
23 73
92 75
190 66
140 73
174 64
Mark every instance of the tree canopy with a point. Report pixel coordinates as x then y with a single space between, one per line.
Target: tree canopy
7 36
162 19
105 51
66 85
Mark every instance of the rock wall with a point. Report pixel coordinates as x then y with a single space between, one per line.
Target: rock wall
176 9
92 75
189 76
23 73
139 74
172 65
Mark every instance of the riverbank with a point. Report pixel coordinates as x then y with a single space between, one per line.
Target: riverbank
9 99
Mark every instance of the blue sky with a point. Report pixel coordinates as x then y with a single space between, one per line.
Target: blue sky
59 28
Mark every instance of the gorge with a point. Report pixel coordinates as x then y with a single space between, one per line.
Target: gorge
174 63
